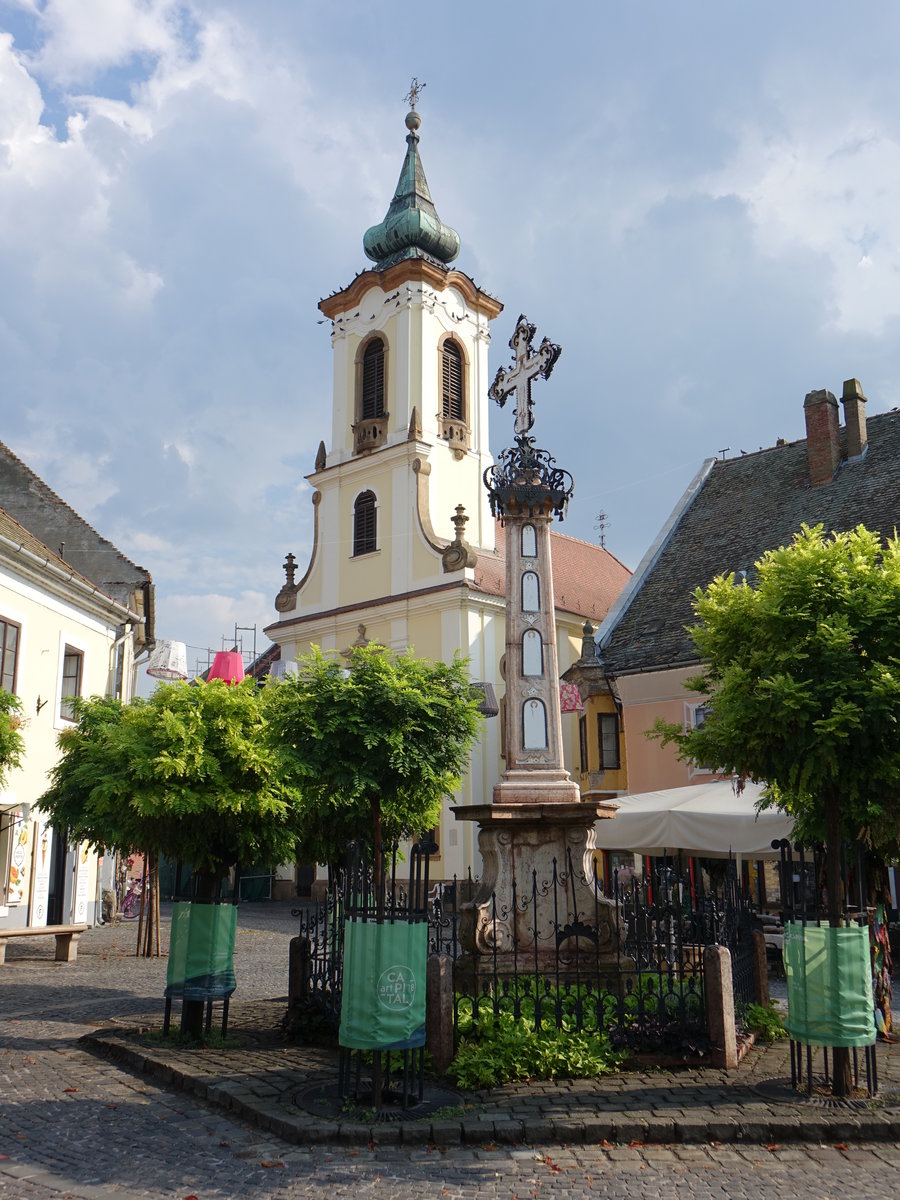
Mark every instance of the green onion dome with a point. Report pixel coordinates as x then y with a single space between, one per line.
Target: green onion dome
411 227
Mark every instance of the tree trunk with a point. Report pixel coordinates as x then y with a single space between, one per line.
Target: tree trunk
142 909
840 1059
377 861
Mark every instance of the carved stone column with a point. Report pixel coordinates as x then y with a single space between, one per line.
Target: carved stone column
536 905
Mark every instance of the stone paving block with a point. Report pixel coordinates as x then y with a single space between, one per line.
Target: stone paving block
659 1130
508 1130
597 1129
629 1131
538 1130
692 1132
567 1129
416 1133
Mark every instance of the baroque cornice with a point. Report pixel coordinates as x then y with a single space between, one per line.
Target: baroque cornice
414 270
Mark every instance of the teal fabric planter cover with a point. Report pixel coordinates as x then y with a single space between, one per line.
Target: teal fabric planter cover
383 994
829 983
201 951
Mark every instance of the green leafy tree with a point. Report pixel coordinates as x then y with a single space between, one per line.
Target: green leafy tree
801 671
12 744
371 750
186 773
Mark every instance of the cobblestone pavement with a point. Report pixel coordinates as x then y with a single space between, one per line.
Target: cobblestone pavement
75 1125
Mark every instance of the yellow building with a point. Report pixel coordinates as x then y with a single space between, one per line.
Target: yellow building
405 550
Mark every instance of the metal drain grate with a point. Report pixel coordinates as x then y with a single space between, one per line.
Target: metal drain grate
781 1092
322 1100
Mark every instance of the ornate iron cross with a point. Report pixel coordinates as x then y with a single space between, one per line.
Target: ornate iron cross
527 365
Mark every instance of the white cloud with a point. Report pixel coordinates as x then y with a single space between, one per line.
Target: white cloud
83 37
182 451
826 187
21 109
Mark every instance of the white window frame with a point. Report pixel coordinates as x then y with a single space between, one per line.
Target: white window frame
691 722
79 647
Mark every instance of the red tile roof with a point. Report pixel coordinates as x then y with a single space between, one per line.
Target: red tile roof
586 578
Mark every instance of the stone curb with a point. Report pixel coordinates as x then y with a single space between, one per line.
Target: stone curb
516 1123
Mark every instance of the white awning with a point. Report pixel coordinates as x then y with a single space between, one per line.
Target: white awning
707 820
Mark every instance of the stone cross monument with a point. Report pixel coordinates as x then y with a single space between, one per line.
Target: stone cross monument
536 830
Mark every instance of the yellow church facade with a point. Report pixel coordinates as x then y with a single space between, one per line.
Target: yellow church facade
405 550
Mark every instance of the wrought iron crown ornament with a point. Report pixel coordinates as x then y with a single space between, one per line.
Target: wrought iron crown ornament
527 478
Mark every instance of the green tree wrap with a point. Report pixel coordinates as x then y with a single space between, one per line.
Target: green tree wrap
383 1000
829 982
201 951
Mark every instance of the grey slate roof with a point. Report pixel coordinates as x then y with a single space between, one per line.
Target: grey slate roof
26 498
744 507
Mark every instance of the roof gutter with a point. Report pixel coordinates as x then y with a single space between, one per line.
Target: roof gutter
72 578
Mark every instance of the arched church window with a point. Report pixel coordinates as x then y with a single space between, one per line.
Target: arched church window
452 400
372 391
364 524
534 725
529 542
532 653
531 592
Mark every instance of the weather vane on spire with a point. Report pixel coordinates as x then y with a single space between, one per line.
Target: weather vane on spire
414 92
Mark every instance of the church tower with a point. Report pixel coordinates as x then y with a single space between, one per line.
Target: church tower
409 434
405 549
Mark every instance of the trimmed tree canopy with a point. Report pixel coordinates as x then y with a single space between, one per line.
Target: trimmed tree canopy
187 773
802 674
12 744
372 749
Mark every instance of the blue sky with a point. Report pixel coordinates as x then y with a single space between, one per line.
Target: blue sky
698 201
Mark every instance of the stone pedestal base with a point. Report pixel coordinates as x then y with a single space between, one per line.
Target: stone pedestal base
518 787
536 905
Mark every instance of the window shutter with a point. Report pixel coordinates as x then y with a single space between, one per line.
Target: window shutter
372 399
451 383
364 528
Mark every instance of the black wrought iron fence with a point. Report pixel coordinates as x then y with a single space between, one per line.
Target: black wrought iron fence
644 986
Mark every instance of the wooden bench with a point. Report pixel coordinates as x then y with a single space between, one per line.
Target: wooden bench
66 939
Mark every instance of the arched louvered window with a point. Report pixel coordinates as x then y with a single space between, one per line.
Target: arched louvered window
372 398
452 406
364 524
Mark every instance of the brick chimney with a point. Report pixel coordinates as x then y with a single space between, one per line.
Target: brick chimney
823 436
854 403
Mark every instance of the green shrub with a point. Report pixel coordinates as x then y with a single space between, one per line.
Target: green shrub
765 1021
505 1048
